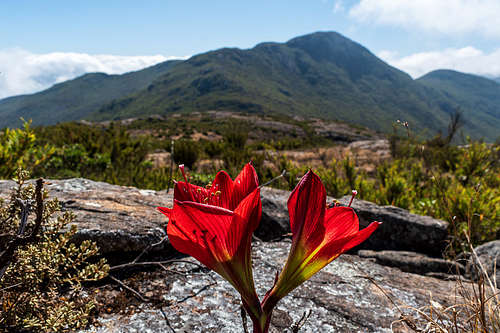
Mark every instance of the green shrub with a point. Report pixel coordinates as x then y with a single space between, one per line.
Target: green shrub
20 149
41 288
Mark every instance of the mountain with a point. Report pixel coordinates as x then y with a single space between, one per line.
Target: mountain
477 97
76 99
322 75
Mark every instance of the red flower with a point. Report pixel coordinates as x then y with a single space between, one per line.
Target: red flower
215 226
320 235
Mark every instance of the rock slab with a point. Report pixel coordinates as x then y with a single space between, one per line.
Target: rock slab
341 298
118 218
400 229
489 257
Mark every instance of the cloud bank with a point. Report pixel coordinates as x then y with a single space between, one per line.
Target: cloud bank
467 59
23 72
443 16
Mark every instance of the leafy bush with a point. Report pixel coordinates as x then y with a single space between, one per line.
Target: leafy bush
19 149
41 274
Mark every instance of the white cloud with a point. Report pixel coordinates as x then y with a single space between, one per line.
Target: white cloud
467 59
444 16
23 72
338 6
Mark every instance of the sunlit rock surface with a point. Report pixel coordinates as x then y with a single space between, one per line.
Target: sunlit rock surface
341 298
117 218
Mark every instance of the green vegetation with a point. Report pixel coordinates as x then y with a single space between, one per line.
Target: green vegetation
460 184
41 270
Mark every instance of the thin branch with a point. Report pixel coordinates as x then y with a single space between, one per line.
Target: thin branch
283 173
148 248
135 292
171 165
13 286
153 263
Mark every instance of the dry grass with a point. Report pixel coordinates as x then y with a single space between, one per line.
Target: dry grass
476 310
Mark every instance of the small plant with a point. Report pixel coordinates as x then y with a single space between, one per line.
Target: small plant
215 226
41 270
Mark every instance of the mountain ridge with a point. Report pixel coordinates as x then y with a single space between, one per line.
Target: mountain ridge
322 74
75 99
312 75
471 93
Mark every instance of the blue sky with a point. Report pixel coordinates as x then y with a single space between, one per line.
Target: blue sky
43 42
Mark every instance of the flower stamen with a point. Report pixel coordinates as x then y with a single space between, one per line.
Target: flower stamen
354 193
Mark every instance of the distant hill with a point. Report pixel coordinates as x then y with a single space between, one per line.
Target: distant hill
477 97
76 99
321 75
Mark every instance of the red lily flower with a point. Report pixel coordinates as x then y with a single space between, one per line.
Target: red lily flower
319 235
215 226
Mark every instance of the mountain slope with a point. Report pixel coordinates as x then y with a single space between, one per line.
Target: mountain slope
322 74
478 98
75 99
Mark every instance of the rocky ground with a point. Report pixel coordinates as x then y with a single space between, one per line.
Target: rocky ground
368 290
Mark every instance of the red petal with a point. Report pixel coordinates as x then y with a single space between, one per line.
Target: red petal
232 193
338 246
306 207
340 222
166 211
200 231
246 182
246 219
224 184
188 192
361 236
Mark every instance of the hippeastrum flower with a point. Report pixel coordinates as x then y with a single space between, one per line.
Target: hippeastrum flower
215 226
319 235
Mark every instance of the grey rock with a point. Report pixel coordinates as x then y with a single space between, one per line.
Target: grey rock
275 222
413 262
119 219
400 229
489 257
340 297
